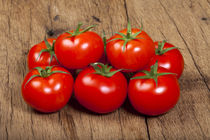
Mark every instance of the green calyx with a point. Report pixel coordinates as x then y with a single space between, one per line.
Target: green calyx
152 74
77 31
129 36
44 73
160 50
50 49
104 70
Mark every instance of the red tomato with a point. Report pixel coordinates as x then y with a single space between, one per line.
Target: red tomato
78 49
171 60
45 58
48 92
151 99
99 93
133 55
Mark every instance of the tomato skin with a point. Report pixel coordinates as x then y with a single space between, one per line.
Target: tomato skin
44 58
98 93
78 51
152 100
48 94
172 60
136 55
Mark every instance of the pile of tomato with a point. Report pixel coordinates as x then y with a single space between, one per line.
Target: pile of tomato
105 71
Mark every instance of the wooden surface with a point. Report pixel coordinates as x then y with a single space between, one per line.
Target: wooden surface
184 23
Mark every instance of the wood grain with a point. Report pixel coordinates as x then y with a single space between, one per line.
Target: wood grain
184 23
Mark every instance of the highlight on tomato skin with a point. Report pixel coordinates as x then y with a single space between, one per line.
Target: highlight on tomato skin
154 94
100 91
77 49
130 49
169 57
47 89
42 54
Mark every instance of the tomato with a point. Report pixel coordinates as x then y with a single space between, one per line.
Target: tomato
130 49
42 54
168 57
78 49
47 89
155 92
100 89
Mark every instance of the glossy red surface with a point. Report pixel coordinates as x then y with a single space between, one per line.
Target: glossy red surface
79 51
44 58
98 93
171 60
136 55
149 99
48 94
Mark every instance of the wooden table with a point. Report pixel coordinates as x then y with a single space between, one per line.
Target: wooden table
184 23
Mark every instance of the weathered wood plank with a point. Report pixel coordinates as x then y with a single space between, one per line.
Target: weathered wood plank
174 21
5 109
200 13
11 102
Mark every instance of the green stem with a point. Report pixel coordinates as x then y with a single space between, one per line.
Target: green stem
105 42
152 74
50 49
128 36
104 70
44 73
160 50
77 31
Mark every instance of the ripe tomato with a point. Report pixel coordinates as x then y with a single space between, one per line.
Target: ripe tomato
168 57
42 54
47 89
78 49
100 89
130 49
155 92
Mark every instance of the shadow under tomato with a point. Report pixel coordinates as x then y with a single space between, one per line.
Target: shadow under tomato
129 108
44 113
73 103
41 113
76 105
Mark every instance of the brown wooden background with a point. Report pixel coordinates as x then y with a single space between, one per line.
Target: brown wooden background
184 23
